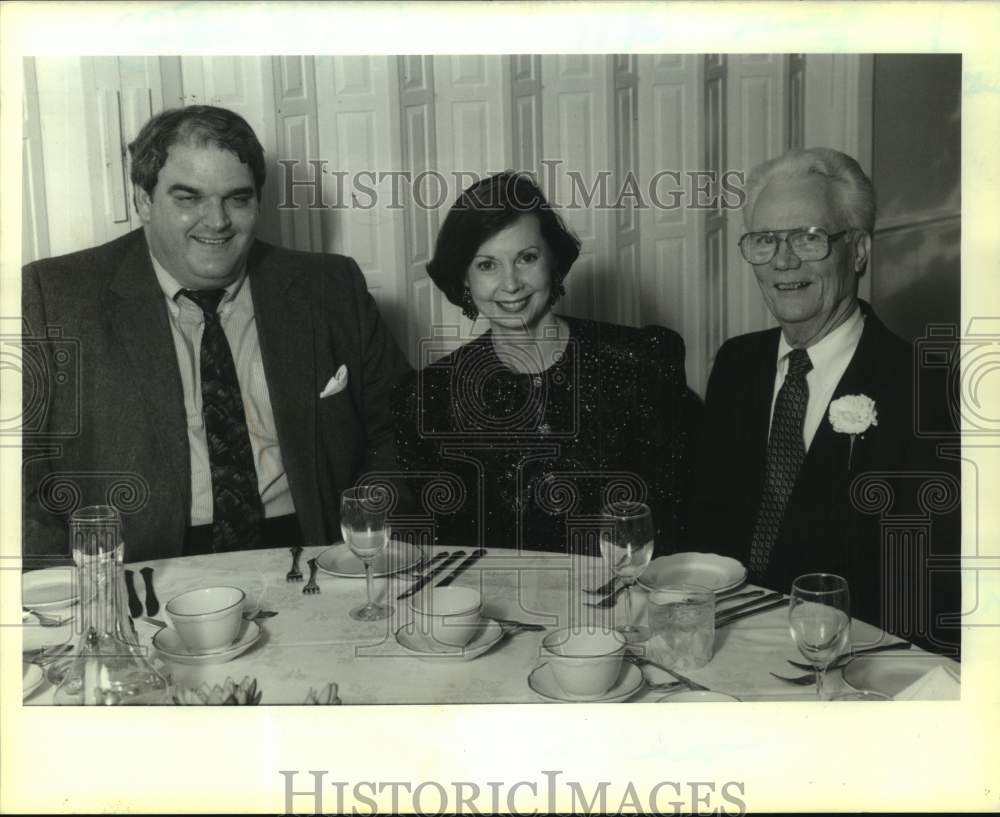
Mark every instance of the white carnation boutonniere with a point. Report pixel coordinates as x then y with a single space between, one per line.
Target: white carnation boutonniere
853 414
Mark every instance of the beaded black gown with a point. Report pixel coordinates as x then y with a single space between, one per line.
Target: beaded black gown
502 459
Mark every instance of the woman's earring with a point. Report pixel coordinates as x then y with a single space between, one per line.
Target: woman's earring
468 307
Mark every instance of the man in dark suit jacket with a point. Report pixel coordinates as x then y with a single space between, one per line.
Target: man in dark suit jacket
877 506
310 365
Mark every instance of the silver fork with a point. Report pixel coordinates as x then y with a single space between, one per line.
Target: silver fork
311 586
294 575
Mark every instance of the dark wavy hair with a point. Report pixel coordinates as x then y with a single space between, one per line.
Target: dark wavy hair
197 125
485 209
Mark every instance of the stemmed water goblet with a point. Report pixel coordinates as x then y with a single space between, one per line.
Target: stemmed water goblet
627 546
819 615
364 522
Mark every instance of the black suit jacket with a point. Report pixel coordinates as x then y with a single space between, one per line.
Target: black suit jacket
109 425
879 516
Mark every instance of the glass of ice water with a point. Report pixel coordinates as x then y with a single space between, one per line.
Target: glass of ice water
682 626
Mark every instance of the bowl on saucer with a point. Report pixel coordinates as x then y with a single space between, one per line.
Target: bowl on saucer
449 616
585 661
208 618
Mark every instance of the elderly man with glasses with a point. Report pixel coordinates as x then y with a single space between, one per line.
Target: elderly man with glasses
800 418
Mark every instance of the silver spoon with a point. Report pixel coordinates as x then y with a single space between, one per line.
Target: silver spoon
607 587
800 680
843 659
610 601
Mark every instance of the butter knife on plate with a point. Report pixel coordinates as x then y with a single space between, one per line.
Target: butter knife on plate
419 583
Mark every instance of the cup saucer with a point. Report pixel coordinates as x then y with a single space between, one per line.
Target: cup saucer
543 681
423 647
168 643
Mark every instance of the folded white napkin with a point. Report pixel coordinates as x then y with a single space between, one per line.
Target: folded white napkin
938 684
336 384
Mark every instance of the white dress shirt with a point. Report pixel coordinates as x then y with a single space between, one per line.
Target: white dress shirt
187 323
830 357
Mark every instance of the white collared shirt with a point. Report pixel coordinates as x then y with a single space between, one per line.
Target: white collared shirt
830 358
187 323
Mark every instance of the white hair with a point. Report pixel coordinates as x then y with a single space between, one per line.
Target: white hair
849 190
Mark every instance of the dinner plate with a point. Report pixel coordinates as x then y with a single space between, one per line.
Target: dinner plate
427 650
46 590
699 696
34 636
168 643
31 678
891 674
709 570
339 561
543 681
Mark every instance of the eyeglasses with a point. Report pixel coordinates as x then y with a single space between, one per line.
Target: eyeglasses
808 243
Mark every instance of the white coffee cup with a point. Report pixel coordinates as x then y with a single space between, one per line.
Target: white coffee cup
448 616
584 661
208 618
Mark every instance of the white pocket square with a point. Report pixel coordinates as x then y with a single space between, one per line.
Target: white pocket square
337 383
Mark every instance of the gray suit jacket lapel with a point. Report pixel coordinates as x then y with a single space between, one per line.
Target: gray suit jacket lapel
140 323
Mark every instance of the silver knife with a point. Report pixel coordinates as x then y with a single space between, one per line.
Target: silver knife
739 608
419 583
721 621
470 560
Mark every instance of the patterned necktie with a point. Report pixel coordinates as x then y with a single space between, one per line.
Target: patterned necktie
236 505
785 453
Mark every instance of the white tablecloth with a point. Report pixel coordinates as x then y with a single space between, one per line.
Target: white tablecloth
313 641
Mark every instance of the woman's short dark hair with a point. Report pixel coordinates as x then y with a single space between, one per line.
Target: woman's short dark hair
197 125
485 209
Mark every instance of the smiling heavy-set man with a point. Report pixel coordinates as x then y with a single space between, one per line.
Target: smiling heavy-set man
232 387
806 424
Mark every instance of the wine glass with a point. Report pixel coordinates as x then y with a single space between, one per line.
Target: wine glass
819 615
363 521
627 546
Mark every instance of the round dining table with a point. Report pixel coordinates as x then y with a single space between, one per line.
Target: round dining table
311 640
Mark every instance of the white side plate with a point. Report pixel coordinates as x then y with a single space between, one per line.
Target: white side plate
51 589
709 570
397 556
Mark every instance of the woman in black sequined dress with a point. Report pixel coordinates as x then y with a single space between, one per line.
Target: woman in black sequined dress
518 438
